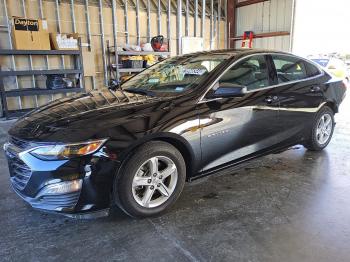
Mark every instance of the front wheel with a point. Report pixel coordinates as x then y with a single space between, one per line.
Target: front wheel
151 180
322 130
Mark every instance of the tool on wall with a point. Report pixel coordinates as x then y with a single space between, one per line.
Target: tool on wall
248 39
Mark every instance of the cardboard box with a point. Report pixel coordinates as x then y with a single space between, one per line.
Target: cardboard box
30 34
55 45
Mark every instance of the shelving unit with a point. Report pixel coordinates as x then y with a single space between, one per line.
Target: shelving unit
38 52
142 53
33 91
114 70
130 70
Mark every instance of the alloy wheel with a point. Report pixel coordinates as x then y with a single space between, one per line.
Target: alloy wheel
324 129
154 182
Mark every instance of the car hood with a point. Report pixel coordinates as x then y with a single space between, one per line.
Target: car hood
82 116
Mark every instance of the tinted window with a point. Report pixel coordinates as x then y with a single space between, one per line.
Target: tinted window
311 70
251 72
289 68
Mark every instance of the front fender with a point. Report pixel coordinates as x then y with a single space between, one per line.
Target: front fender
189 148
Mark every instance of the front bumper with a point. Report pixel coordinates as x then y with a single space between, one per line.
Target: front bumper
79 187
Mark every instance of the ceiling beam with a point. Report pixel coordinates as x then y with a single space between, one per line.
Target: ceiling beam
191 7
144 5
173 5
164 7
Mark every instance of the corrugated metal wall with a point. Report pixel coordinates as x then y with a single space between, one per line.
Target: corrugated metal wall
93 20
269 16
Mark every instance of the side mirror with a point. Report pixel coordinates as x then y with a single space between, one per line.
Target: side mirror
227 90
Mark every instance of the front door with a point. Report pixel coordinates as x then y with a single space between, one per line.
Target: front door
236 128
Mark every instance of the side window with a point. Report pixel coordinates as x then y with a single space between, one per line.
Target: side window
289 68
251 72
312 70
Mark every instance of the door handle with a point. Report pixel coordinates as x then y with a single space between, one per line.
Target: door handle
271 99
315 89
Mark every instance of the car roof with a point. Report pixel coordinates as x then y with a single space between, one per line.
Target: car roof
234 52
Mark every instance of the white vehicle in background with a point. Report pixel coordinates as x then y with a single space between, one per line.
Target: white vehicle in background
333 65
347 62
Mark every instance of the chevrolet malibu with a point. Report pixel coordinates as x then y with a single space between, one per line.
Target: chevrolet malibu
179 120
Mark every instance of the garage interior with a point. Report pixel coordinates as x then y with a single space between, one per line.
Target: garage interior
291 206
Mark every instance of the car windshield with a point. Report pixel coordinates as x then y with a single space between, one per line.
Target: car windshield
174 75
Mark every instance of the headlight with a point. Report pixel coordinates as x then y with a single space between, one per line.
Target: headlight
66 151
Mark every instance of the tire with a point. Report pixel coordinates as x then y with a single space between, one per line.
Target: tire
133 185
315 143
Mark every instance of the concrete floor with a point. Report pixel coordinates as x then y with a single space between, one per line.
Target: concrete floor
293 206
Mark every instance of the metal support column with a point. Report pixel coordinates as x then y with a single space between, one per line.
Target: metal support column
138 22
195 17
126 19
159 18
219 21
72 13
87 17
30 57
41 11
225 31
13 62
211 23
203 20
88 29
292 25
103 44
215 24
168 24
179 26
231 22
148 21
115 35
58 19
74 28
187 18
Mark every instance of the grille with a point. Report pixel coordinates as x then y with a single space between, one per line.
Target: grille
66 201
20 173
19 143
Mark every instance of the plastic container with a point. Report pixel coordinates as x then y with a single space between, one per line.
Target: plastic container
132 63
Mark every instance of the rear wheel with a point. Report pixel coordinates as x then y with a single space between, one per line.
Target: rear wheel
322 130
151 180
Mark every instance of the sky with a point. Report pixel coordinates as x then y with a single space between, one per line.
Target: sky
321 26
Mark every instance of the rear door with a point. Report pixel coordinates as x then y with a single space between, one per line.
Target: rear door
300 88
235 128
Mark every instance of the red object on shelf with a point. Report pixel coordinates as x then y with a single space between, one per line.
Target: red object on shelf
248 39
157 42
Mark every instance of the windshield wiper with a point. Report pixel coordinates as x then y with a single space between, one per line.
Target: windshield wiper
139 91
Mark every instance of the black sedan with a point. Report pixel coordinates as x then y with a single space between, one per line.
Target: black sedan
179 120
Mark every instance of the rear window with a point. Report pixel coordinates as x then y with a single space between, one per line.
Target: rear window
311 70
289 68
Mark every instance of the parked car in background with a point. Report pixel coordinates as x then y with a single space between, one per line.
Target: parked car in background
179 120
335 66
347 62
